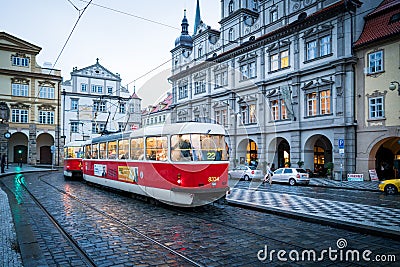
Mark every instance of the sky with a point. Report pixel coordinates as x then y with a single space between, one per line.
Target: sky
129 37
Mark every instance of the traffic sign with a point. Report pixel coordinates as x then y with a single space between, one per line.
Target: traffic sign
341 143
52 149
7 135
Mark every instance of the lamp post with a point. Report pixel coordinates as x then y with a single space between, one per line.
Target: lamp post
392 86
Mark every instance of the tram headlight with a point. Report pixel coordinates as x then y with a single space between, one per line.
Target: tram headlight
179 180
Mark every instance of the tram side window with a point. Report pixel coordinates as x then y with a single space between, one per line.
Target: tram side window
102 151
156 148
95 151
123 149
137 149
112 150
198 147
88 151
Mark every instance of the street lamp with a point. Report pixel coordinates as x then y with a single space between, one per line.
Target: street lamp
392 86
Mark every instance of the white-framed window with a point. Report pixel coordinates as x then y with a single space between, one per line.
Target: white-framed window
248 70
279 60
221 79
121 127
83 87
221 117
98 127
122 108
278 110
252 113
46 92
183 91
200 52
375 62
97 89
74 104
20 61
376 107
318 46
19 89
46 117
132 108
109 90
319 103
19 115
312 104
74 127
99 106
199 87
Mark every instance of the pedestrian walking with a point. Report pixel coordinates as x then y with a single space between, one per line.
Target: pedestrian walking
268 175
3 162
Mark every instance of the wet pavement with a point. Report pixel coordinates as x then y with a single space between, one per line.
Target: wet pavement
283 203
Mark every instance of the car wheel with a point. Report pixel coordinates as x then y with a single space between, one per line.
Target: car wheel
390 189
292 181
246 177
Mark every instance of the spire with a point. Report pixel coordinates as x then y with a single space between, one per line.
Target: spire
185 24
197 19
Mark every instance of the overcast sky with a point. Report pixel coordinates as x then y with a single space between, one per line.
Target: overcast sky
124 43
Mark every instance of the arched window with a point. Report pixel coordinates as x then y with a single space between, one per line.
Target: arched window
231 35
231 6
200 52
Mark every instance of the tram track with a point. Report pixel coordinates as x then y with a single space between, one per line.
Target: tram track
84 255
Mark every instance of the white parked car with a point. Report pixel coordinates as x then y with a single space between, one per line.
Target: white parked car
291 175
246 173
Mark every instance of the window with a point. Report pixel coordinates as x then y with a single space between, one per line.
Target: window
112 149
312 104
183 92
376 110
252 113
279 59
74 104
46 117
375 62
102 150
99 106
248 70
231 35
137 149
74 127
19 116
319 103
319 46
97 89
20 61
46 92
123 149
274 15
157 148
98 127
200 52
231 7
19 89
83 87
199 87
221 79
278 110
132 108
122 108
109 90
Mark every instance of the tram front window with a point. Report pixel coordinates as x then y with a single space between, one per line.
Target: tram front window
198 147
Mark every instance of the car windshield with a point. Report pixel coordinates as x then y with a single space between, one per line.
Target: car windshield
301 171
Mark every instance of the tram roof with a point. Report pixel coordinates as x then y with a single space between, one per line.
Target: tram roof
180 128
74 144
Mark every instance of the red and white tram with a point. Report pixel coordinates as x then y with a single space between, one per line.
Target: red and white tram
182 164
73 154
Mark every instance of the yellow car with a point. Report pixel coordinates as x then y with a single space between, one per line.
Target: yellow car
390 187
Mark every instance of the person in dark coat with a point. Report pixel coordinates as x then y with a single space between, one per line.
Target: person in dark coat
3 162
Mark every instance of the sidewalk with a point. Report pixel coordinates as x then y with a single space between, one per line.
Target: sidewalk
353 216
9 253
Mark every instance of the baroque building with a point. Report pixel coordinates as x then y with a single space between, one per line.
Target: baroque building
378 92
29 104
279 75
94 102
158 114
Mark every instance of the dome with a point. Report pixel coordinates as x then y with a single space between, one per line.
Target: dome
185 39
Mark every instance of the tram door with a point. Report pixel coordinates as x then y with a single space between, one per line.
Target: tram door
20 154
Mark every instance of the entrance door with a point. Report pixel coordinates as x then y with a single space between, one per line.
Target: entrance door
45 155
20 153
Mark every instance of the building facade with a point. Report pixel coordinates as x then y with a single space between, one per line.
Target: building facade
280 76
29 104
378 92
158 114
94 102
